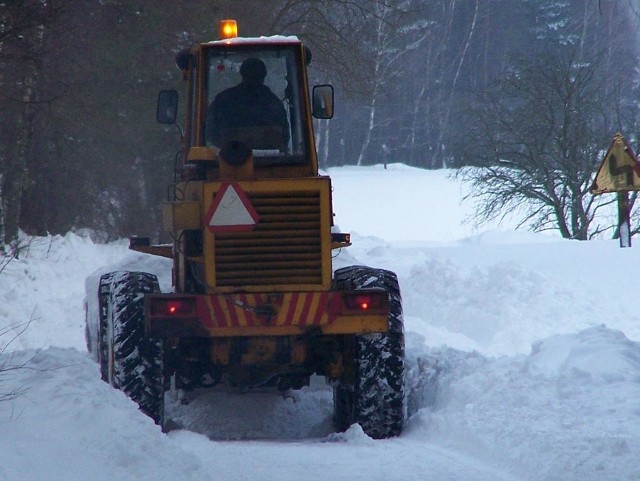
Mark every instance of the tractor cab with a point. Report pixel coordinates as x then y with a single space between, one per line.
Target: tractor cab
248 100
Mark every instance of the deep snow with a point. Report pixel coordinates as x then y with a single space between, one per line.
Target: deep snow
523 361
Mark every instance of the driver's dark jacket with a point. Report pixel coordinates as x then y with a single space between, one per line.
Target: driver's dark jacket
245 105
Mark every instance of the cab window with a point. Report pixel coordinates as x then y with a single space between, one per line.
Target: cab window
254 97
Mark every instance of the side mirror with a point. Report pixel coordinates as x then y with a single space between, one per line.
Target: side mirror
167 107
307 55
323 101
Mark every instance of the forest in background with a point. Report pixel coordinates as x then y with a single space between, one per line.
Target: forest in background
80 148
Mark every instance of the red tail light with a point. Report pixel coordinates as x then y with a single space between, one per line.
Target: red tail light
172 307
365 301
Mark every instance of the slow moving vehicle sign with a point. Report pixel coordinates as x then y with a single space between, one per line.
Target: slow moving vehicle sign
231 211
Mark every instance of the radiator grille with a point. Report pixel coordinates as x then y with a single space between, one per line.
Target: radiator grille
284 247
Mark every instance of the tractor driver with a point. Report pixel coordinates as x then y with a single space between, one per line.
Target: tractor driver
249 104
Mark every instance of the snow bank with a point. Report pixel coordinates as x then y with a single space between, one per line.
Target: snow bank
567 411
511 372
42 290
67 426
498 297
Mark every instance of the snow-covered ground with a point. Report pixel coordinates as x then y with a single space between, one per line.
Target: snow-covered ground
523 360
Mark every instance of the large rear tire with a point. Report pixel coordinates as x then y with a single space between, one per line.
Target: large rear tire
375 397
102 346
133 362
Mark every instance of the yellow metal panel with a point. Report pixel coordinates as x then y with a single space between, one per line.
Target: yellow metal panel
298 353
259 350
161 250
202 154
220 351
247 314
181 216
290 247
342 325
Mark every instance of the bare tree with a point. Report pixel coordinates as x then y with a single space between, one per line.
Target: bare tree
538 139
8 367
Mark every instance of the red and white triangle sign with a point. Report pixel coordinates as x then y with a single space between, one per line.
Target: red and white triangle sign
231 211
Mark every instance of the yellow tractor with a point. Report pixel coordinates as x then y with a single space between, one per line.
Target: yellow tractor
255 302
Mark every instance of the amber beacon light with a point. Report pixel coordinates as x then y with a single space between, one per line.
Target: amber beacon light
228 29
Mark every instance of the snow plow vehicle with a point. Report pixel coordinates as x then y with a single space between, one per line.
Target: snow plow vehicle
255 301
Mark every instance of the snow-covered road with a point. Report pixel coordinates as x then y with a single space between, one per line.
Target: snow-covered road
523 362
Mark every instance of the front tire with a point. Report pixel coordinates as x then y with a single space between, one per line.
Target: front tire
375 397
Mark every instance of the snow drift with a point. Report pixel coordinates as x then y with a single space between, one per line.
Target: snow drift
523 361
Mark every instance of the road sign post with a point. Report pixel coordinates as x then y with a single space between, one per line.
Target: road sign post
619 172
624 222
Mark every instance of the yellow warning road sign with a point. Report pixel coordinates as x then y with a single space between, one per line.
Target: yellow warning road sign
619 171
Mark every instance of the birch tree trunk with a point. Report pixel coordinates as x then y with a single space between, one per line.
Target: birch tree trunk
323 150
321 131
439 159
373 100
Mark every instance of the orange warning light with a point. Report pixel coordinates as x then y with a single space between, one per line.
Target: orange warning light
228 29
